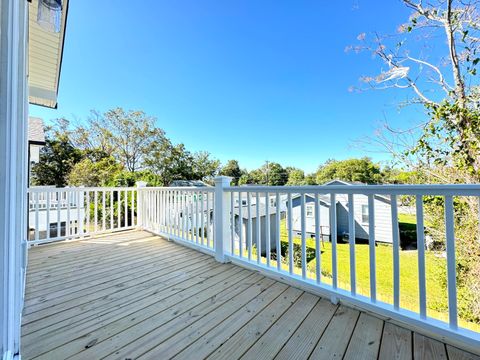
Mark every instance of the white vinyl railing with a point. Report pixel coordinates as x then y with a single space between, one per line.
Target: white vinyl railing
342 204
179 213
65 213
272 229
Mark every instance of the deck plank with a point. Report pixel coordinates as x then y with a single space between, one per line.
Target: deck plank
257 297
335 339
457 354
275 338
304 340
242 340
428 349
70 341
135 295
396 343
365 341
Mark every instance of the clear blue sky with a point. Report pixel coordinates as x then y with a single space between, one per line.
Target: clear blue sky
249 80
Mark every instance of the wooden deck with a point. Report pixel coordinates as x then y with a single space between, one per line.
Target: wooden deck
133 295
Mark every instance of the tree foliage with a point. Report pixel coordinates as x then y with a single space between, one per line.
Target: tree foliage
362 170
125 135
232 169
57 158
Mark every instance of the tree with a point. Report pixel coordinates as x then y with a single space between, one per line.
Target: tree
94 173
361 170
295 176
444 84
204 167
233 170
169 162
57 158
125 135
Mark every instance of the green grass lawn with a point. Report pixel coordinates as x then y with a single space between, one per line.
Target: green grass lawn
409 290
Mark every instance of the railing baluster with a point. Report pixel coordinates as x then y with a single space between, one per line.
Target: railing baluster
133 209
421 257
37 221
79 220
333 235
48 215
125 196
258 228
240 224
396 252
87 211
67 230
202 210
290 233
267 229
104 204
249 225
232 223
371 243
196 216
95 211
119 209
318 252
303 235
277 233
111 209
451 264
208 219
351 240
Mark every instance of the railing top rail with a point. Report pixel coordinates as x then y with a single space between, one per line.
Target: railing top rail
185 188
55 189
424 189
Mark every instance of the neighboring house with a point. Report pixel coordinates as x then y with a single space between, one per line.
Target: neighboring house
324 206
36 140
383 221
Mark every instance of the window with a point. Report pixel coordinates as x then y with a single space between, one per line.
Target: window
309 211
365 213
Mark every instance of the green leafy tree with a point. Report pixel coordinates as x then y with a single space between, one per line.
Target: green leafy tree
204 167
296 176
125 135
94 173
233 170
361 170
57 158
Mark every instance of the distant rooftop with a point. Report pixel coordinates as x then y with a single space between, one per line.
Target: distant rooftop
188 183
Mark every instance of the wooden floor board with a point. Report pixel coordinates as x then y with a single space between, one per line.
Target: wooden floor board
303 341
396 343
365 341
242 340
335 339
132 295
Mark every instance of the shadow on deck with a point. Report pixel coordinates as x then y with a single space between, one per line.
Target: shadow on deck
132 295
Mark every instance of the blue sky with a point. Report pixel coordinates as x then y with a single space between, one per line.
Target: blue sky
248 80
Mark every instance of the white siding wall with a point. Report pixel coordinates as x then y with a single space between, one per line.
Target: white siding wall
310 220
383 221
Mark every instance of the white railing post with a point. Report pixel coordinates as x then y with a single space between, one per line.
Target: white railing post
140 217
222 226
